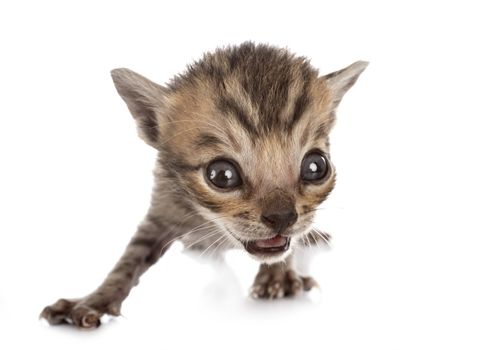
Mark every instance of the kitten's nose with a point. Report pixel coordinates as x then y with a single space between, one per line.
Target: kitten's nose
279 221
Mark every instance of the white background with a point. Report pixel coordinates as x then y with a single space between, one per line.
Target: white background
406 267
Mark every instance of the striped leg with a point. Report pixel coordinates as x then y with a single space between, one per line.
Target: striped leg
149 243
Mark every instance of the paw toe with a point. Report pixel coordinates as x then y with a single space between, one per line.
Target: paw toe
257 291
85 317
275 290
293 288
52 316
309 283
91 320
58 312
294 283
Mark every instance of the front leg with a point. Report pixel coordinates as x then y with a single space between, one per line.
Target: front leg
148 244
279 280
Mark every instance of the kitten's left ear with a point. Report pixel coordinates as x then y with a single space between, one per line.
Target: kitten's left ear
341 81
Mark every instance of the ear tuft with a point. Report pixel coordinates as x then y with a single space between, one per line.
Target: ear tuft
341 81
145 100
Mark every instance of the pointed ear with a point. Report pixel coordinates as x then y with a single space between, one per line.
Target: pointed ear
341 81
145 100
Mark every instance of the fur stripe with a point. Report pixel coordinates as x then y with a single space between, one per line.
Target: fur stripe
207 140
302 101
230 107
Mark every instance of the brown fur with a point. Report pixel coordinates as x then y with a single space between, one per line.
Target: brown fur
263 108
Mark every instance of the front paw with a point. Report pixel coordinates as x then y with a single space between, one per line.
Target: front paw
275 282
83 313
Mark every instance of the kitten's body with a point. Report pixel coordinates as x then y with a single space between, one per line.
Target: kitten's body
243 141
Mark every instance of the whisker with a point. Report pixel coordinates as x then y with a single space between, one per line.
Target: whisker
325 236
306 240
218 246
323 208
314 239
322 235
218 239
204 237
212 221
178 134
191 230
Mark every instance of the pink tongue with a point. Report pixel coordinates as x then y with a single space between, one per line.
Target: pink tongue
276 241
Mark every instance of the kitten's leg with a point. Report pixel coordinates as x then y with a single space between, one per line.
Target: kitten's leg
148 244
280 280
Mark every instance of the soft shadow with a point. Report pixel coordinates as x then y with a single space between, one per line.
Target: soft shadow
303 301
224 285
107 323
225 292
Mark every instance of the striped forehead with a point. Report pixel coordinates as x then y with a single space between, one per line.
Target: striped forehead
237 128
279 106
262 87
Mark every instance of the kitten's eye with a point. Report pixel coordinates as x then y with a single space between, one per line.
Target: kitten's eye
223 174
314 167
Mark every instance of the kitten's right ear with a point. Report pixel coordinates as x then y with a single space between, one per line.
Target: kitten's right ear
145 100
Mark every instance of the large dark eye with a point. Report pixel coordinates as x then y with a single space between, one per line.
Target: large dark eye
223 174
314 167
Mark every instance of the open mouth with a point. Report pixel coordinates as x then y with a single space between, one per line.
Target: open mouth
275 245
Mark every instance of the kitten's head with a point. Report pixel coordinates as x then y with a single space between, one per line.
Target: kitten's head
244 135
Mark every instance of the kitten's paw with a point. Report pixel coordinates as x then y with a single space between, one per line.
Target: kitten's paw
274 283
83 313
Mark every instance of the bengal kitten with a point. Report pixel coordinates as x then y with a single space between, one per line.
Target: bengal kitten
243 161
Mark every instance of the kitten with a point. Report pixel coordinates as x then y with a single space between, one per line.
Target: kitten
243 162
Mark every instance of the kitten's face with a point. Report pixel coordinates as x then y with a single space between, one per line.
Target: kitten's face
244 133
264 190
256 184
